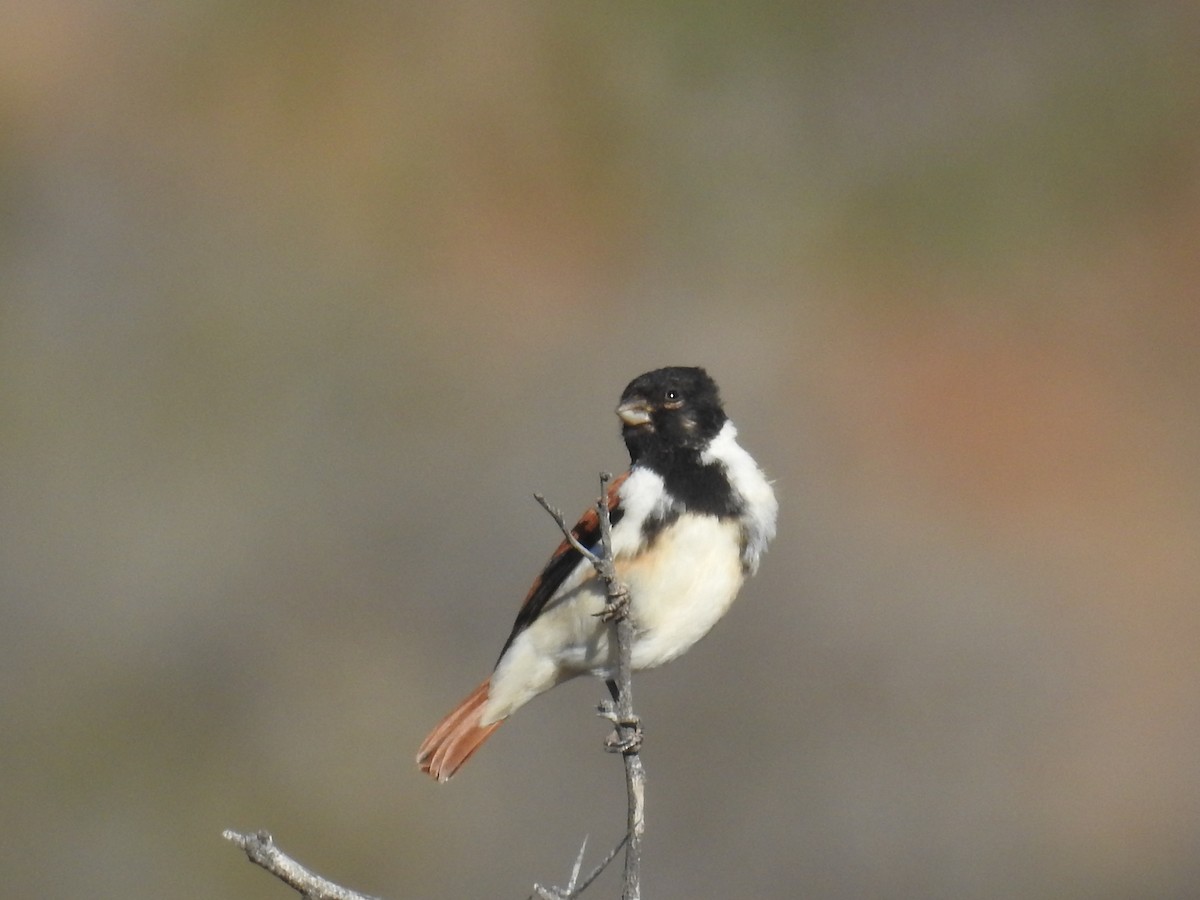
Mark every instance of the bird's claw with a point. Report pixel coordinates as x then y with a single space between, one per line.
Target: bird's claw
630 743
617 742
617 608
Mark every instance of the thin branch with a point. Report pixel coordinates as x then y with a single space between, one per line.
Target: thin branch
578 865
572 889
612 854
557 516
629 731
260 848
627 737
555 893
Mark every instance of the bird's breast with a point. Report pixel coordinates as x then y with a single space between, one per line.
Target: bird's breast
681 585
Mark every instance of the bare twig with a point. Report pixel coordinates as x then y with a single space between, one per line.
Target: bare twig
566 893
612 854
627 738
629 732
572 889
260 848
557 516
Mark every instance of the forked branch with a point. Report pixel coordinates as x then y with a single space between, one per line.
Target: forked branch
260 846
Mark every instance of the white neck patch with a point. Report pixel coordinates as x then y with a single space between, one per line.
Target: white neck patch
749 483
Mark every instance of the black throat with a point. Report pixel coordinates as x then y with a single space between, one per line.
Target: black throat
695 486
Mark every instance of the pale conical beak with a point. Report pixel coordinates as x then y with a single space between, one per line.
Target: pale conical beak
635 412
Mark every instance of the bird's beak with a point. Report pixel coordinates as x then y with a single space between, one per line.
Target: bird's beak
634 413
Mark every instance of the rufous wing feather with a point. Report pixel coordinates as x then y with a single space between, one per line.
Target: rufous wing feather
457 736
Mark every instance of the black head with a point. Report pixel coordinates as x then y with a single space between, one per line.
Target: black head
671 411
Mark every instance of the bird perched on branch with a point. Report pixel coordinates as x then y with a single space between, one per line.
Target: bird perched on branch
690 519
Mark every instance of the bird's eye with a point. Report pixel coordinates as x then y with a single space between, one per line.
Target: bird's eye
673 397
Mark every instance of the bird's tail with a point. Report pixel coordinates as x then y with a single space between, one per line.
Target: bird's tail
457 736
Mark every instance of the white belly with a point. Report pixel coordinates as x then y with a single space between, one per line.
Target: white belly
673 606
676 605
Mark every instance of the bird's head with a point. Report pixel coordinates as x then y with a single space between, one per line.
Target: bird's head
670 410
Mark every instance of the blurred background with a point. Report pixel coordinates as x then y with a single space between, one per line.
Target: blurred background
300 303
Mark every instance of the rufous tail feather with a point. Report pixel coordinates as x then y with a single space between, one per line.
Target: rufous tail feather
457 736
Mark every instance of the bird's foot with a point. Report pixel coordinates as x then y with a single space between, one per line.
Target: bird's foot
617 608
627 732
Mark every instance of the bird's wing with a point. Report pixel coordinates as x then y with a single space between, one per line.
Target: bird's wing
565 559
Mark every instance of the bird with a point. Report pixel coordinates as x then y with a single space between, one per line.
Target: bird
691 518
